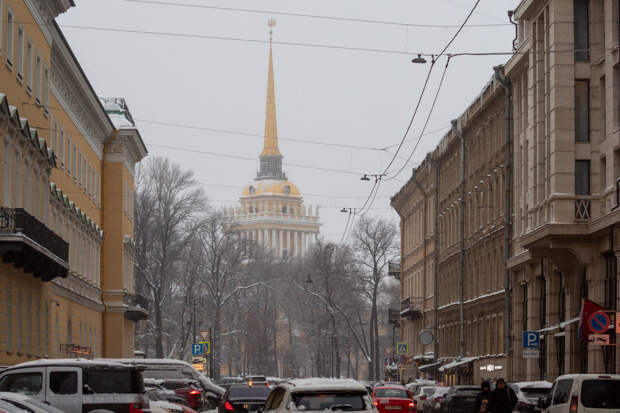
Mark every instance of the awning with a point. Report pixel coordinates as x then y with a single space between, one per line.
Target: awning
428 366
457 362
561 325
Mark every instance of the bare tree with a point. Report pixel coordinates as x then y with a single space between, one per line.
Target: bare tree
375 243
224 275
168 200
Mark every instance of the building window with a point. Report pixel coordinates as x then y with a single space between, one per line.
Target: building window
68 155
9 36
20 52
6 177
17 181
580 8
73 160
582 177
61 148
29 52
45 88
37 78
603 104
582 111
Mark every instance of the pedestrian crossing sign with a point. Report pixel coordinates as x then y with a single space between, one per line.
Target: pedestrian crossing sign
402 348
206 347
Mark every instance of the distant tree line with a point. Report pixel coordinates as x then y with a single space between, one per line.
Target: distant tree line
321 315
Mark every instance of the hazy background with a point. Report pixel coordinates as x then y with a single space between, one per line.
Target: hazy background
330 95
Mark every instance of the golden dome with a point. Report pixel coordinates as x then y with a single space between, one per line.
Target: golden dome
271 187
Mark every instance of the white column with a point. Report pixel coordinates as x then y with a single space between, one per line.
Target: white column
260 237
271 244
293 247
279 248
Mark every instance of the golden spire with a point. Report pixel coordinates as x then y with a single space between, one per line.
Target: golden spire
270 147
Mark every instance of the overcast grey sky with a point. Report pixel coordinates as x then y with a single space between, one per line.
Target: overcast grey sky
339 96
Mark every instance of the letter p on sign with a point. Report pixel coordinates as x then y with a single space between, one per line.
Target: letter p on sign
531 339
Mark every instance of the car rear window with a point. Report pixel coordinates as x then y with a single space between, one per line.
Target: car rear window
259 392
346 401
123 381
534 392
395 393
601 394
428 390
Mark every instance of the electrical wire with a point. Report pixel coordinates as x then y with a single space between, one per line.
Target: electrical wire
346 227
246 158
428 117
314 16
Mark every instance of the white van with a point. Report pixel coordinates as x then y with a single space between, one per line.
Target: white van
78 385
583 393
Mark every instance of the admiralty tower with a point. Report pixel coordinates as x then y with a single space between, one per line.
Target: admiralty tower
271 210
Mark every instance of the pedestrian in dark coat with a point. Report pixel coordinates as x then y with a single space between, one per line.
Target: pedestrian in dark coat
485 394
503 398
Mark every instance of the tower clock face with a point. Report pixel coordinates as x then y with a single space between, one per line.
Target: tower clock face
286 190
252 190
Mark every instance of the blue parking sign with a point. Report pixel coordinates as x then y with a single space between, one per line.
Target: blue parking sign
531 339
197 349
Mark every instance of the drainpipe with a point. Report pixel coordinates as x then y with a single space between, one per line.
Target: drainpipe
459 133
424 233
505 83
436 165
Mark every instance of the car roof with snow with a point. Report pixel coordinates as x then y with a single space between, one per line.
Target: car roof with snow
320 384
526 384
77 362
147 362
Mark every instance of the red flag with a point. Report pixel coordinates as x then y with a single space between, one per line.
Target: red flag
588 307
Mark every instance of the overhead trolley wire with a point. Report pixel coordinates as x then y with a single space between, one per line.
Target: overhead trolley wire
315 16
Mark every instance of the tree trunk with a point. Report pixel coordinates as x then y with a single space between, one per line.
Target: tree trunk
159 345
215 345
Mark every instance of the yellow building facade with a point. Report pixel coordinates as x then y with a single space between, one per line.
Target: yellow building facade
271 211
66 275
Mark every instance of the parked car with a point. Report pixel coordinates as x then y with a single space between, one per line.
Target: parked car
159 404
389 399
253 380
189 389
528 393
168 395
27 404
177 369
583 393
460 399
318 395
432 404
242 398
422 393
78 385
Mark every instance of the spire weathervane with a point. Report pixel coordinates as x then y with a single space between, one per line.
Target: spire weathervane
271 23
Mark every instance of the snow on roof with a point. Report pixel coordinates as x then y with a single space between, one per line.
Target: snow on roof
120 121
457 363
314 384
79 362
525 384
161 362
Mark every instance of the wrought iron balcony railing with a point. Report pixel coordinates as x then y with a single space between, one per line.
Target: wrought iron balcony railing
31 245
137 307
412 307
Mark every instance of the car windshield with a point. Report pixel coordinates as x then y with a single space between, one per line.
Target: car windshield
601 394
258 392
394 393
347 401
121 381
175 385
534 392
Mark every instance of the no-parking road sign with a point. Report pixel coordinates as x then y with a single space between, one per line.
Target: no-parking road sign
598 322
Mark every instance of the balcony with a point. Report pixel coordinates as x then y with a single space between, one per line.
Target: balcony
29 244
412 307
394 269
137 307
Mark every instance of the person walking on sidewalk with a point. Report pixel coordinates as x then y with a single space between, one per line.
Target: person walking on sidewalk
503 398
484 395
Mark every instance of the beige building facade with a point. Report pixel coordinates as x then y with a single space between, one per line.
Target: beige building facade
462 302
535 230
66 186
566 86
